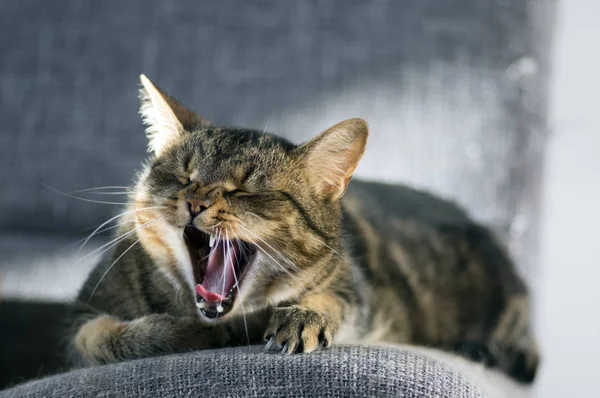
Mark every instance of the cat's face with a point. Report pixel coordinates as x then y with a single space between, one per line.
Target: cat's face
247 219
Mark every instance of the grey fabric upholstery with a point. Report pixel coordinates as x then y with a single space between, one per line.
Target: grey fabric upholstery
359 372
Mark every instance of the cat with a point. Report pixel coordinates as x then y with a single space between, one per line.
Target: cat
235 236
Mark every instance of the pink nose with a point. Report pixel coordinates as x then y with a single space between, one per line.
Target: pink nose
197 206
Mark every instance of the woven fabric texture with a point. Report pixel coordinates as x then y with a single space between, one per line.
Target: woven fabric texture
250 372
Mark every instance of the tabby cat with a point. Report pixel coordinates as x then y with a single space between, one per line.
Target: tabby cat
234 236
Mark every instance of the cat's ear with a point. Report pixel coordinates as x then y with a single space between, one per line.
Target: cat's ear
165 117
331 158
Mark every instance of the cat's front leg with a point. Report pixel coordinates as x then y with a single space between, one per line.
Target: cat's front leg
106 339
306 326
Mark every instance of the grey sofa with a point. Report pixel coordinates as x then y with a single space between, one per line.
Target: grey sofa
455 92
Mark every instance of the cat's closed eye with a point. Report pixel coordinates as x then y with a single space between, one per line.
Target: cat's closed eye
238 192
184 180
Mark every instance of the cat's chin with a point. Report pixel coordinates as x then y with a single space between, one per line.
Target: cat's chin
219 267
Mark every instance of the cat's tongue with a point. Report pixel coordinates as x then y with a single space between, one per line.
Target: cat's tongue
219 277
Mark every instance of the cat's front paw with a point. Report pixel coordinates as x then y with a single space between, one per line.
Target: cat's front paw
297 329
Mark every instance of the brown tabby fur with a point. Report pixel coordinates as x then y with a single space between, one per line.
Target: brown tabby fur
385 264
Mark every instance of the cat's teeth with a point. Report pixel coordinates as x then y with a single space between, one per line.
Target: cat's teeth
200 305
219 308
211 241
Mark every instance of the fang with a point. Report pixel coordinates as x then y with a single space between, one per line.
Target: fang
211 242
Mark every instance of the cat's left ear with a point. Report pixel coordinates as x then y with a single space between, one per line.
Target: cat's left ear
331 158
165 117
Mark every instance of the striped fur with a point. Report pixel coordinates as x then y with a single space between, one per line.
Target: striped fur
385 264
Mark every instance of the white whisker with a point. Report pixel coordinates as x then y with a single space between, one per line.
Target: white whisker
268 121
100 231
79 198
346 261
113 218
225 258
99 188
320 241
109 268
237 285
115 241
111 193
275 251
273 259
121 255
254 215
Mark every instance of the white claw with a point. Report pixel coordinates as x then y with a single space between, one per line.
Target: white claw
200 304
219 308
211 241
269 344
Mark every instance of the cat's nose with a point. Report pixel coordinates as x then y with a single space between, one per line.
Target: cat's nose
196 206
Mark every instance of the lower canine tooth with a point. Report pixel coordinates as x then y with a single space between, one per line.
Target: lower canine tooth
219 308
200 305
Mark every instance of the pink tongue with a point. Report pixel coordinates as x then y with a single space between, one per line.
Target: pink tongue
219 277
208 295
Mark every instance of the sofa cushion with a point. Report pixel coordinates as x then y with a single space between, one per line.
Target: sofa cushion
251 372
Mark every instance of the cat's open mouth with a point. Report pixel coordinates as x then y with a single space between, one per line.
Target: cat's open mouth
218 266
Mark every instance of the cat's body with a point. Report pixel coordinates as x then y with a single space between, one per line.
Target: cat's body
386 264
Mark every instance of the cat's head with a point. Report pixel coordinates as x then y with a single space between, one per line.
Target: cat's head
246 219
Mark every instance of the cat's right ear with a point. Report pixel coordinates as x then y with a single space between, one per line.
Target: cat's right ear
165 117
332 156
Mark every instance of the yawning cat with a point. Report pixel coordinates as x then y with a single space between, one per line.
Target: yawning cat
234 236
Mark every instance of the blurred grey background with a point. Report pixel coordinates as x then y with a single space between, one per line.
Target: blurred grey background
456 93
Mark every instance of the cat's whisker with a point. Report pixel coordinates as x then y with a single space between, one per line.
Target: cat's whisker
268 121
114 218
110 244
122 254
249 213
254 238
283 268
225 258
99 188
116 240
346 260
111 193
109 268
80 198
293 266
237 285
100 231
204 258
333 250
107 246
217 237
242 245
275 251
